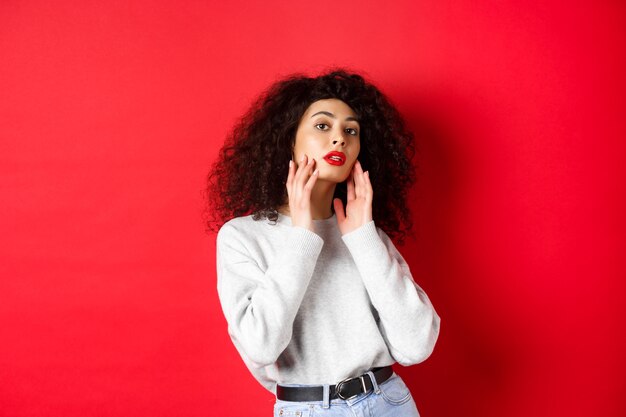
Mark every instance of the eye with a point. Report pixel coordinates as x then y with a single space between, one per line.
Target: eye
352 131
321 126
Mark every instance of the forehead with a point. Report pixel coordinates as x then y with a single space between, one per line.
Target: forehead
335 106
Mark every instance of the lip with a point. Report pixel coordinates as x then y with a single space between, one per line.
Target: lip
336 154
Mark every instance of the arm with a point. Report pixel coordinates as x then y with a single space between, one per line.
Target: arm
260 305
408 321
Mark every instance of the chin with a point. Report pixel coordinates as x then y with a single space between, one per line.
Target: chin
333 178
335 174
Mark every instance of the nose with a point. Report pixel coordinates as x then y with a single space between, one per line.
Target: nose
339 139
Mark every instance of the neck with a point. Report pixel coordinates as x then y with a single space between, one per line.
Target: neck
321 200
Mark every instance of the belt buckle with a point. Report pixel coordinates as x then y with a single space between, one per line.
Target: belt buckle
340 384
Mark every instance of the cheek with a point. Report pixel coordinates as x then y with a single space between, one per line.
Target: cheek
301 150
299 147
357 151
309 144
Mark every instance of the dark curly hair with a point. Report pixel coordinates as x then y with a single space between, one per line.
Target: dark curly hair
261 143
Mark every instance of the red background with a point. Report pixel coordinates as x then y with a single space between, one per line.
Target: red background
111 113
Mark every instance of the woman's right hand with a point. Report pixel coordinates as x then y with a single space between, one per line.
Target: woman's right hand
300 182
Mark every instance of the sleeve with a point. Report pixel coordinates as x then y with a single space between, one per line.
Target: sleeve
260 305
408 320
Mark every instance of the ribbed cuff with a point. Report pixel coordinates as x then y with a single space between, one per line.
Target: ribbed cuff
304 241
364 240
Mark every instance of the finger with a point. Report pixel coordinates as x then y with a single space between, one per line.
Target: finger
309 184
298 172
290 175
368 186
304 172
298 181
350 186
359 182
341 215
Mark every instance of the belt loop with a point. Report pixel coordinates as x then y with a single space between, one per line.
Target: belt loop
374 383
326 403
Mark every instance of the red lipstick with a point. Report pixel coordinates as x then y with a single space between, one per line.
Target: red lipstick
335 158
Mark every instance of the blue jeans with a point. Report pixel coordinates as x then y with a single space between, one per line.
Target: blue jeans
392 398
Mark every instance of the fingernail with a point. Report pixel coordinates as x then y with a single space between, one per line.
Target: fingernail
316 171
290 163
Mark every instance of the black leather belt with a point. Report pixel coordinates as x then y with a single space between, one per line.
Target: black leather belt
345 389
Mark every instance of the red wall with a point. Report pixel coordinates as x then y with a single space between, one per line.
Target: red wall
111 112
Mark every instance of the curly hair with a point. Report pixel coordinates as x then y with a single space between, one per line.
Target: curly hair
268 129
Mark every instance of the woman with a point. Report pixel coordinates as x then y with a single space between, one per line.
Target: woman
319 302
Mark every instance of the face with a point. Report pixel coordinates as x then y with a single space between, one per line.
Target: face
329 132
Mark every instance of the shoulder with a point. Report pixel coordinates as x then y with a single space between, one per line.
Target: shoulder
236 223
235 226
246 228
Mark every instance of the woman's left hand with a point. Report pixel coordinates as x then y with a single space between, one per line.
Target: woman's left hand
359 205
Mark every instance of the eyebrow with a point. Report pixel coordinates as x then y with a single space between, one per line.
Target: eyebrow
329 114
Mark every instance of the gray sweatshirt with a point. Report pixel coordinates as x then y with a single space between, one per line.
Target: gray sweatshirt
307 307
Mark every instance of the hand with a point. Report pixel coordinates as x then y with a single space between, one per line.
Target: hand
300 182
359 202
